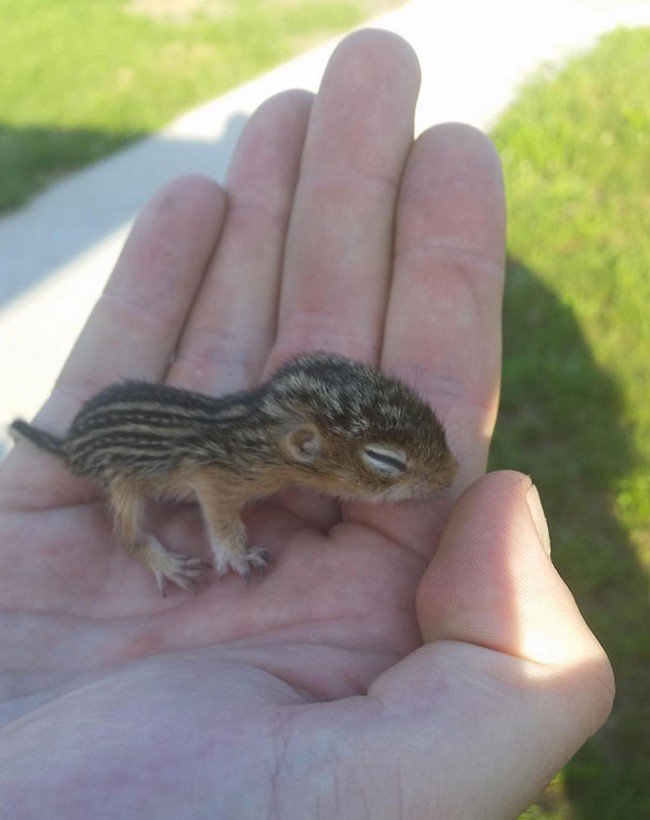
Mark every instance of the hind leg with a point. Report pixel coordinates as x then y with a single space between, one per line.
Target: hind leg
128 505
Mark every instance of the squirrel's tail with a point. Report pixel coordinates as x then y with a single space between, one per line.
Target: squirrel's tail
46 441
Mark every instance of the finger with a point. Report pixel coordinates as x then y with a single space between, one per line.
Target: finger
338 253
134 326
492 583
232 326
509 685
443 327
442 332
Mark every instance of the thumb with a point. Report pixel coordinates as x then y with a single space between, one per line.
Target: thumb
492 583
510 681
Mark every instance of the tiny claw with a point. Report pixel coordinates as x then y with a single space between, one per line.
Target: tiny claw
263 560
161 583
266 557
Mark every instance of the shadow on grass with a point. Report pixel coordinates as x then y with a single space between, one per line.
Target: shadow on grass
33 157
86 207
561 421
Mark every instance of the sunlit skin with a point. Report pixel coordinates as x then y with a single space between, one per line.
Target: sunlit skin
415 660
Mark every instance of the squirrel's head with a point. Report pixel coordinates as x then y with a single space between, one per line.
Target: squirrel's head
349 430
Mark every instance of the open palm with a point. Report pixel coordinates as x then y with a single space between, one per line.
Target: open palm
305 694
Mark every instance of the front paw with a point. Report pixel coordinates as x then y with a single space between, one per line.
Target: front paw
244 563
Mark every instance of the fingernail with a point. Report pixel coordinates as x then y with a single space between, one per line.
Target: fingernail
539 519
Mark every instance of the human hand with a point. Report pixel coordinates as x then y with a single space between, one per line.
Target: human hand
309 693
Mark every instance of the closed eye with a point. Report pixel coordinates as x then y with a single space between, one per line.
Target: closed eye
385 460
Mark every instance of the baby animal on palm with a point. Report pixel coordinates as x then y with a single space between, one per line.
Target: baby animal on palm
321 420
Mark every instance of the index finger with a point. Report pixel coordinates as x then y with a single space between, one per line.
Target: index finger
132 330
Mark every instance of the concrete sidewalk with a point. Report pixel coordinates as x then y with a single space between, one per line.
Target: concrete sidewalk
56 254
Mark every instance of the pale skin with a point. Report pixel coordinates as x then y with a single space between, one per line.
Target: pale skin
422 660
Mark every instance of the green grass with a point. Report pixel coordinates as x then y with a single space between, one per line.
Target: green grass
576 393
81 79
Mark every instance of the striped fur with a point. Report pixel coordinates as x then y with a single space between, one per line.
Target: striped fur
138 439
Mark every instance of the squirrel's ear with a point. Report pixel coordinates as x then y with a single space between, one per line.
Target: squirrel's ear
303 443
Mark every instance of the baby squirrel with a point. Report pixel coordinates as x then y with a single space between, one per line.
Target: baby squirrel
322 420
